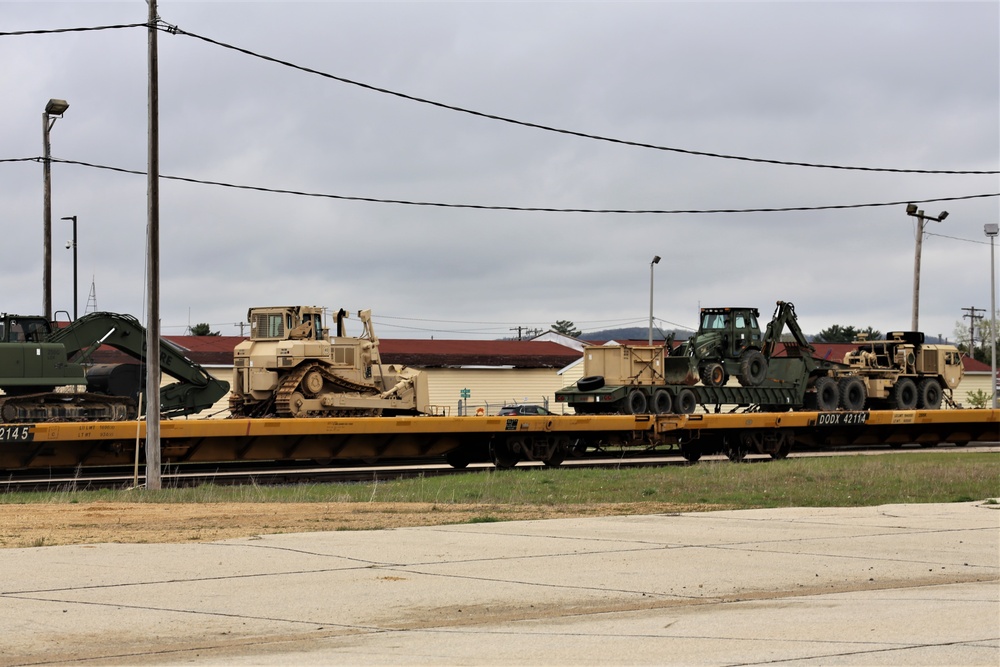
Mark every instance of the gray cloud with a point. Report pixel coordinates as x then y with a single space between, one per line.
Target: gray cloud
912 85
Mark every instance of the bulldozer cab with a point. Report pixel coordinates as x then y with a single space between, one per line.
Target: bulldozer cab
286 323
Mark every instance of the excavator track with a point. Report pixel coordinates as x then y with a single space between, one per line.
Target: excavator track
290 385
66 407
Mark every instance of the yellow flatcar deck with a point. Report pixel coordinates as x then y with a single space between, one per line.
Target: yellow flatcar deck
114 443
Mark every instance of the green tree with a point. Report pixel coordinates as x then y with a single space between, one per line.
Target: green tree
838 334
203 329
978 349
566 328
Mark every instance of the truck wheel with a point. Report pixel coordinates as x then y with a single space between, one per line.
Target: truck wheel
753 368
686 402
853 393
637 403
929 394
590 383
827 394
662 403
713 375
904 395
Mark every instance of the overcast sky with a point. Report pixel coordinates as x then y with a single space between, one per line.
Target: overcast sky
891 85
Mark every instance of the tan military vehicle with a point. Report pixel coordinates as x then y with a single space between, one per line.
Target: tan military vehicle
292 367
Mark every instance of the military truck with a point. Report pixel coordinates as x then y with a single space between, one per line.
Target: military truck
292 367
43 368
773 374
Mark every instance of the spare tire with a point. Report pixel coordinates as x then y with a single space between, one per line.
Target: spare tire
590 383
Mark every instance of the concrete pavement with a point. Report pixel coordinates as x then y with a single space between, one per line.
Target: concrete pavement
890 585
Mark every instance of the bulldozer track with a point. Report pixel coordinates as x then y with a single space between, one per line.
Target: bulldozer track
282 401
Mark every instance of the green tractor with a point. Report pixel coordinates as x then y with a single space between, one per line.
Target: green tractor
728 343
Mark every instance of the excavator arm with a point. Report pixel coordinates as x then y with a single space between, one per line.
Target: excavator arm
784 315
195 389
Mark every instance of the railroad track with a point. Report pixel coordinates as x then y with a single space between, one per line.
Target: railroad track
263 473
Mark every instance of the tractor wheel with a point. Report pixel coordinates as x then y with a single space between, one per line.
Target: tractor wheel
753 368
853 393
713 375
930 394
827 394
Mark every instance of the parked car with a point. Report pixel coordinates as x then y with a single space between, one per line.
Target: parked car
508 410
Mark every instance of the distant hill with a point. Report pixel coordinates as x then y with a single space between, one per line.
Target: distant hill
634 333
642 333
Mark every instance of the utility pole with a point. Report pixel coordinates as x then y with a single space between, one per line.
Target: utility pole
911 210
972 317
153 479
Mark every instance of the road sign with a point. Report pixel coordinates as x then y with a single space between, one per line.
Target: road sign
465 393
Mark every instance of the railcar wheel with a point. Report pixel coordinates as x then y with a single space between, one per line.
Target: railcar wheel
503 455
637 403
853 393
662 403
691 451
930 394
458 458
827 394
784 445
736 447
590 383
753 368
904 395
556 458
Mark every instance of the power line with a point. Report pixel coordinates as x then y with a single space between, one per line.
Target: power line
60 30
174 30
535 209
548 128
955 238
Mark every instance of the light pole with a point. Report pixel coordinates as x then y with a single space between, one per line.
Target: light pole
55 108
991 230
72 244
911 209
656 260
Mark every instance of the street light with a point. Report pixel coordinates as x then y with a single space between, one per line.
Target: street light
656 260
55 108
72 244
911 209
991 230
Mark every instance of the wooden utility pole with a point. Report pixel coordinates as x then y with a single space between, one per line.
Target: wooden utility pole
153 267
972 317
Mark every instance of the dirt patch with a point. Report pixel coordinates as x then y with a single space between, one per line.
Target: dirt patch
35 525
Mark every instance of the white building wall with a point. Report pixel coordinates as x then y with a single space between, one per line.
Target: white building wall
492 388
972 382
